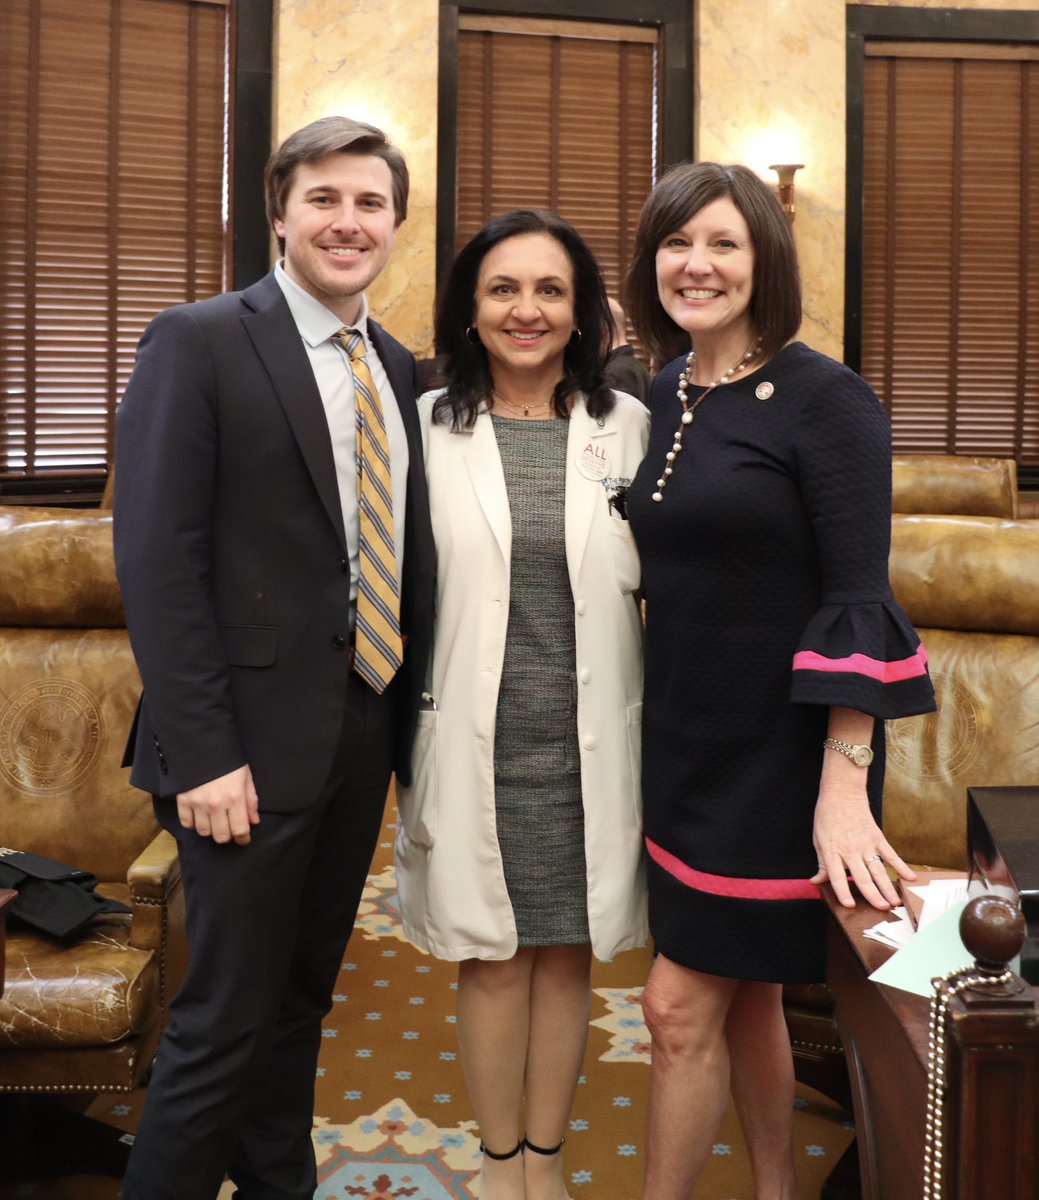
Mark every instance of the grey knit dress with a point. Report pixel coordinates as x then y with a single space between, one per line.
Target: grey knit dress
537 766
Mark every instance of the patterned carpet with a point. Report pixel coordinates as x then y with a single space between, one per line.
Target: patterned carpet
393 1119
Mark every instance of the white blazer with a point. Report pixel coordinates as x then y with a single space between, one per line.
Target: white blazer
450 880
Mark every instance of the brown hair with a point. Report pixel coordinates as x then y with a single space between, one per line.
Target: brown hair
775 303
319 139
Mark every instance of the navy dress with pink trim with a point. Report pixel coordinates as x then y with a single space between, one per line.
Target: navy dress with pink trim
765 570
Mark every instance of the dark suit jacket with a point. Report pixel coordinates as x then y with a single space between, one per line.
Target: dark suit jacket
232 556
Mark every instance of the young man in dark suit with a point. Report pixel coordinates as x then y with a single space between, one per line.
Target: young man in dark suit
281 684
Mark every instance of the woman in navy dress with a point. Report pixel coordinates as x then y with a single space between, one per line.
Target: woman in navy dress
774 652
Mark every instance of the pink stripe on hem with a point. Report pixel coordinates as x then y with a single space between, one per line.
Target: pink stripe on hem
726 885
860 664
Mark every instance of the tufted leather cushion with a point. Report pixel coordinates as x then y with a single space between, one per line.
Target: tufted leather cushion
68 689
967 573
57 568
971 587
67 699
983 735
111 995
954 483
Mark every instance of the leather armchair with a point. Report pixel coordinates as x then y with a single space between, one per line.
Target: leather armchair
83 1015
970 585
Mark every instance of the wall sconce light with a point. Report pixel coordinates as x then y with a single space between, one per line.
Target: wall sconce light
786 172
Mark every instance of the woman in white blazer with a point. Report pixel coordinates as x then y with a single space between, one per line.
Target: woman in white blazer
519 846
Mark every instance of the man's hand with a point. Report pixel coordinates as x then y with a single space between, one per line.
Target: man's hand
223 809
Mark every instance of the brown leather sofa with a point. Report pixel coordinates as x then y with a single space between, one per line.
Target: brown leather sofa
970 585
84 1015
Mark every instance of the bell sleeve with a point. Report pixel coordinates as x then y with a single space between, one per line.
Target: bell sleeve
859 649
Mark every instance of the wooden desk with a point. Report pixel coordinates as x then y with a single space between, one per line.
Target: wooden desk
992 1104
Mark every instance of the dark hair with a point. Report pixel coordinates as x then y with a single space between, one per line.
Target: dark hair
319 139
775 302
467 369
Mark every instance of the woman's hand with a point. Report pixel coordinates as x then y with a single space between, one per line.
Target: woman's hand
849 841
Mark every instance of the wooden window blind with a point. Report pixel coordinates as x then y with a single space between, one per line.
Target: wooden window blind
559 115
950 317
113 170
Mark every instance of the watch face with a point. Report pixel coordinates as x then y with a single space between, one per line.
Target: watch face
862 756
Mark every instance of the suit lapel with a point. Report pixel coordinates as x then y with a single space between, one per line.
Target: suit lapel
399 365
280 348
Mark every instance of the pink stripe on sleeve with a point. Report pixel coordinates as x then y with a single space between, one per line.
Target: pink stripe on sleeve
860 664
727 885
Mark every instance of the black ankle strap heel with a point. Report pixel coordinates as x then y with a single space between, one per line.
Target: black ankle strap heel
511 1154
541 1149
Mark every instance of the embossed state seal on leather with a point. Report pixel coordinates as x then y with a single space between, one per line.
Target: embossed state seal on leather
50 735
941 745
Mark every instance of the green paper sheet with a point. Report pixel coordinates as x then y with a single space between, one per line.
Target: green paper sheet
935 950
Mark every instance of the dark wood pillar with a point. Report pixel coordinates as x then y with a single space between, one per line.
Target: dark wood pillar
991 1026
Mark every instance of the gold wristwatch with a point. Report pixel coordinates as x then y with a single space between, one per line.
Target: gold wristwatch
861 756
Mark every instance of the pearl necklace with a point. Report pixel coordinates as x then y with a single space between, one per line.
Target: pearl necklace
688 410
526 409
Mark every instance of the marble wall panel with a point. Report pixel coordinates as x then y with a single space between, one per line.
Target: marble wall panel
375 60
771 88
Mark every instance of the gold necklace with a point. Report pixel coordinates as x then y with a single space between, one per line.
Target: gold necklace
688 410
525 409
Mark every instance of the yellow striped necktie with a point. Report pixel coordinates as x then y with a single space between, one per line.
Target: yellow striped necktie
378 648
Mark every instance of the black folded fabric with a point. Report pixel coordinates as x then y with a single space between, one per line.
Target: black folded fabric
52 897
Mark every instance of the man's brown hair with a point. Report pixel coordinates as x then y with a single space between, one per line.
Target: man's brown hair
319 139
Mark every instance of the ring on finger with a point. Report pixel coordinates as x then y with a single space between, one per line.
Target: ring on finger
874 858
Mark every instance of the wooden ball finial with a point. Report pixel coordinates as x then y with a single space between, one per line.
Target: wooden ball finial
993 930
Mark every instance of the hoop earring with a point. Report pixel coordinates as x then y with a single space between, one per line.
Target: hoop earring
471 336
